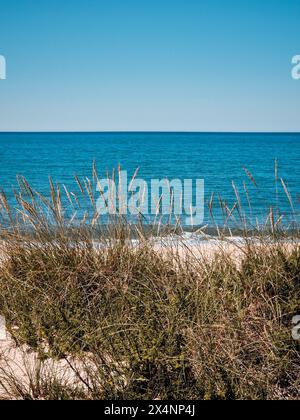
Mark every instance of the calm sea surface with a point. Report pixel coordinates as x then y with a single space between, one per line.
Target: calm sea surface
217 158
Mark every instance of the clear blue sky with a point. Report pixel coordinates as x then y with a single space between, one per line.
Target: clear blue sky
198 65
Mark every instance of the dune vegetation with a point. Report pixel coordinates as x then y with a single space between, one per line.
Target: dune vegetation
97 315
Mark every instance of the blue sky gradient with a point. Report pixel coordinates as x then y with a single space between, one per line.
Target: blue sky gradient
164 65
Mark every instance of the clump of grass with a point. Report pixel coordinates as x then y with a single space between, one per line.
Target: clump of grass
155 329
125 320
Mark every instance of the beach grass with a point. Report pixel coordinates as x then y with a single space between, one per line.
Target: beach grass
98 315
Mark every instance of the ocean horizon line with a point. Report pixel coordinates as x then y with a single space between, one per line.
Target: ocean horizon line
154 132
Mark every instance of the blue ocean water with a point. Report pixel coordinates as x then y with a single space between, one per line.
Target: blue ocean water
217 158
